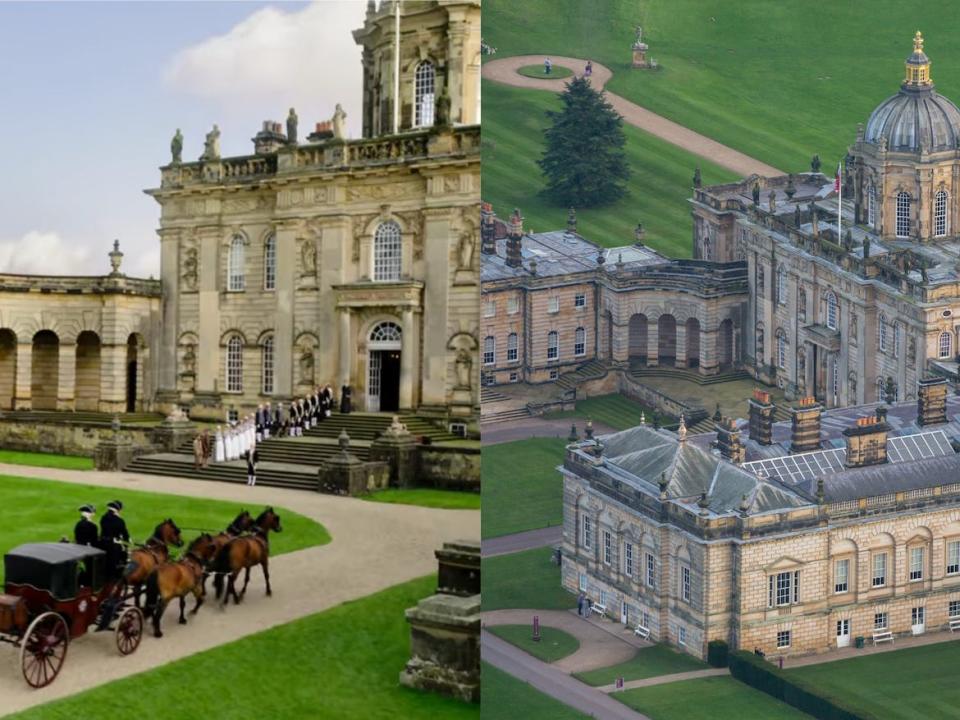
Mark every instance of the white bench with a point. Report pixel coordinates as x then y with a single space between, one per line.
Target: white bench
955 624
642 632
599 609
880 636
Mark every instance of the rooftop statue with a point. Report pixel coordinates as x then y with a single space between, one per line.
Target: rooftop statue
211 146
176 147
339 129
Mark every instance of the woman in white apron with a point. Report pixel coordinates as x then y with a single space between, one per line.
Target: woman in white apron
219 451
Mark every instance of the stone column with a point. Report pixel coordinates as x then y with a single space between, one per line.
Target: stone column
23 382
170 284
208 351
653 343
283 354
66 376
113 378
346 343
407 360
709 357
681 351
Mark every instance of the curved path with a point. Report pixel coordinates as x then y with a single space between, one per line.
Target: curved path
375 545
504 70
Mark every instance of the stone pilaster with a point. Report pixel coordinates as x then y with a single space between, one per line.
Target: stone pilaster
170 282
24 379
284 316
435 307
208 352
66 376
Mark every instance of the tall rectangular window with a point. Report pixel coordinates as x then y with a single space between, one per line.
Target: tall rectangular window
784 588
628 560
953 557
580 342
387 252
583 582
916 563
267 364
841 572
903 214
651 571
879 570
513 306
607 547
554 305
235 264
270 263
512 347
587 532
953 609
783 638
490 308
489 350
685 583
580 300
880 621
553 345
235 365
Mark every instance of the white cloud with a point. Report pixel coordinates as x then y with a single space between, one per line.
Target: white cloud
43 253
276 58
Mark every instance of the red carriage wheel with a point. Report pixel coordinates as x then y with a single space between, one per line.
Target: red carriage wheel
129 630
43 649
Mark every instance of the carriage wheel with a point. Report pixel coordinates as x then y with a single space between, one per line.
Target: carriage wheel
43 649
129 630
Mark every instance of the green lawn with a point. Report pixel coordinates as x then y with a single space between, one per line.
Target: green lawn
68 462
342 663
45 510
648 662
554 644
778 81
712 698
521 488
910 684
428 497
617 411
507 698
527 579
660 184
557 72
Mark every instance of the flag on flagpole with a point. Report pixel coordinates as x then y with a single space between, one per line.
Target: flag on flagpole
836 180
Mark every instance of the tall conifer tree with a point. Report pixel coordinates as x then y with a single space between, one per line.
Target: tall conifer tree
584 161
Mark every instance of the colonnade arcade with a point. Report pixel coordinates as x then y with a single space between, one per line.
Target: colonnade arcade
44 370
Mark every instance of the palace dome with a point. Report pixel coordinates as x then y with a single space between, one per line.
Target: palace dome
916 118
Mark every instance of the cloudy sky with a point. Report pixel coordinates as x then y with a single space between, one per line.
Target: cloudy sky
92 93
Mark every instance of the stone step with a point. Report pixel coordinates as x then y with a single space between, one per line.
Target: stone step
641 372
503 416
302 451
283 475
84 417
489 395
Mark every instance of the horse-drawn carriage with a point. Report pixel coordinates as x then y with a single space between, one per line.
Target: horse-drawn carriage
53 593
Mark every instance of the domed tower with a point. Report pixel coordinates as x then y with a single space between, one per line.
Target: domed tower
905 165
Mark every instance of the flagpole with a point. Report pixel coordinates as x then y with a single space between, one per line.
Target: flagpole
839 202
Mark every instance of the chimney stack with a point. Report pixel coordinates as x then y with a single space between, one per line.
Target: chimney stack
806 426
867 442
514 240
488 231
728 440
761 417
932 401
572 221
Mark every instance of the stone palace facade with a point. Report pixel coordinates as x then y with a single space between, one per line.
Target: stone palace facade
312 260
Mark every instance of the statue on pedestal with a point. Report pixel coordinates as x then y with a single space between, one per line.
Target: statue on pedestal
339 128
211 145
464 365
308 258
292 121
465 251
176 148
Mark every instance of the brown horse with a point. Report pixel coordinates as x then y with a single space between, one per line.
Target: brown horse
243 553
241 524
145 558
179 579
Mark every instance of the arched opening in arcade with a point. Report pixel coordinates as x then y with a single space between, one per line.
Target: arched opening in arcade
725 344
638 339
383 382
692 334
8 368
87 383
45 370
135 352
667 340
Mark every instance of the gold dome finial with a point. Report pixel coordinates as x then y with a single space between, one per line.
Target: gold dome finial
918 42
917 66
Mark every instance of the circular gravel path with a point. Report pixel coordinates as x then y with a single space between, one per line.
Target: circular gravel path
504 70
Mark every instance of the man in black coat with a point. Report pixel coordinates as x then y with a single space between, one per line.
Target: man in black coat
253 457
85 531
113 529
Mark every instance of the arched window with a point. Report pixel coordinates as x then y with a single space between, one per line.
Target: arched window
270 263
266 365
235 264
882 333
235 364
489 350
802 304
580 342
512 347
945 345
903 214
832 319
872 206
387 252
553 345
940 214
386 332
896 339
781 349
781 285
424 89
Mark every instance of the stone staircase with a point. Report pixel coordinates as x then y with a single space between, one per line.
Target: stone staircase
643 372
77 417
367 426
588 371
707 425
273 474
491 395
504 416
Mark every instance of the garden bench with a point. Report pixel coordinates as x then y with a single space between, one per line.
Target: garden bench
599 609
880 636
642 632
955 624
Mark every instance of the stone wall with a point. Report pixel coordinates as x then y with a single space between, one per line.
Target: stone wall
449 468
65 439
655 399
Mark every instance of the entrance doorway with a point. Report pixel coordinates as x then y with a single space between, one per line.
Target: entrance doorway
383 382
843 633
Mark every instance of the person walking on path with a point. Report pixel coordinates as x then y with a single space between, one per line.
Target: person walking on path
252 459
547 66
588 70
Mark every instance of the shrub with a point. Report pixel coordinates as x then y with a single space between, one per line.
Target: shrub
717 652
758 673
